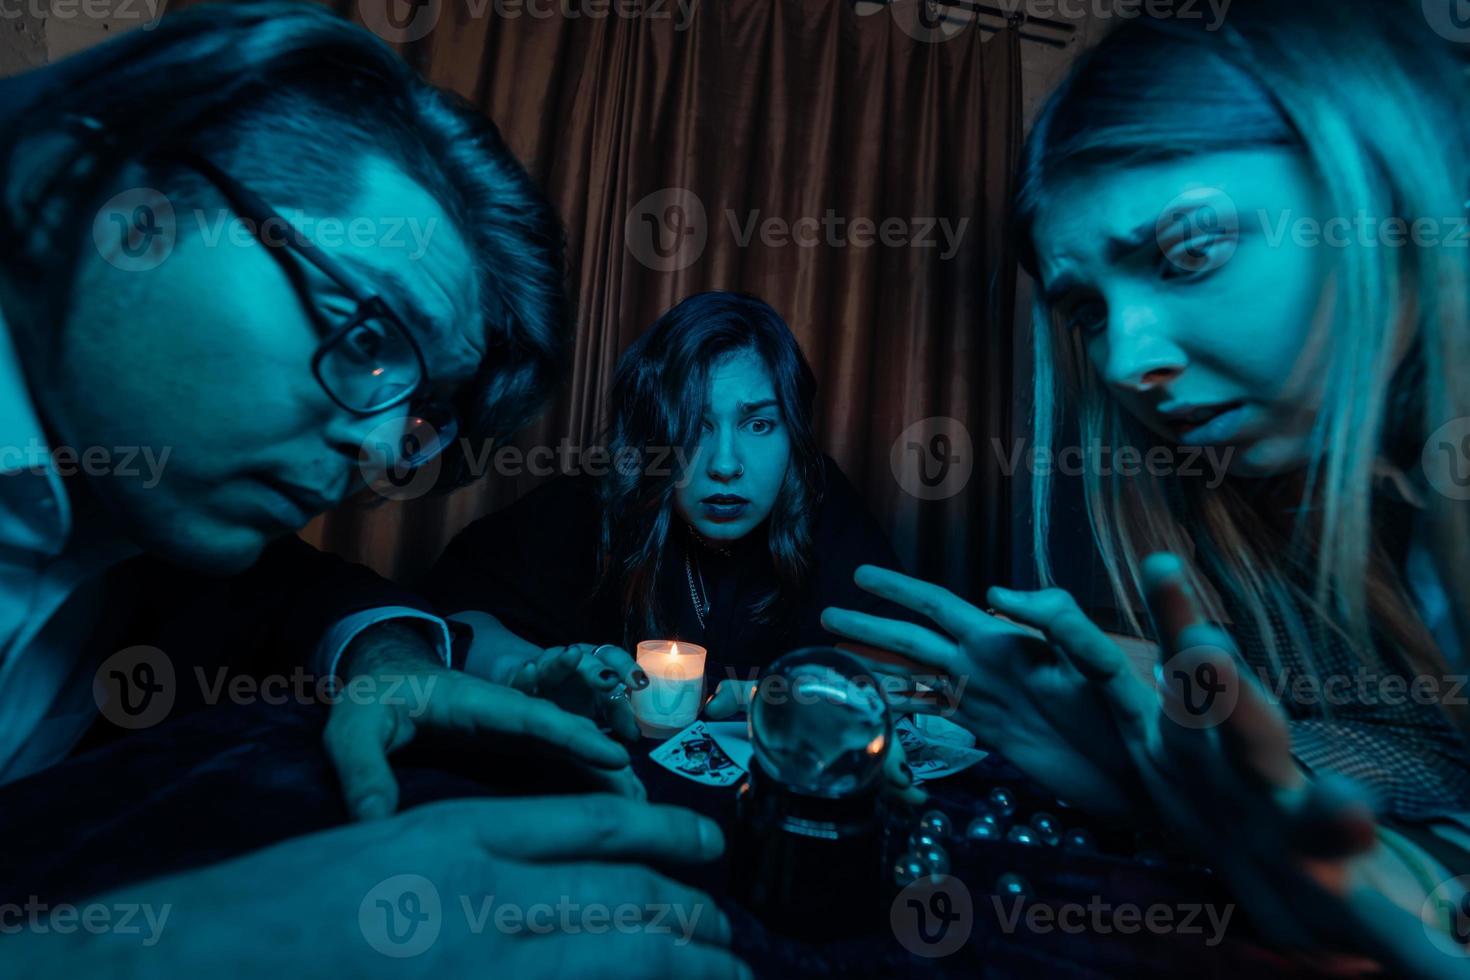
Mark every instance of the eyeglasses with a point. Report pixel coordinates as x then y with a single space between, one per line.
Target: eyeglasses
368 364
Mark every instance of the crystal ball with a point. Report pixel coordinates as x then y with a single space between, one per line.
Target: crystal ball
819 724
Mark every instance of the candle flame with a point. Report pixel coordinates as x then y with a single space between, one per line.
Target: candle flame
876 745
673 649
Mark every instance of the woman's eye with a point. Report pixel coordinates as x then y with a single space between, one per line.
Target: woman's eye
1087 315
762 426
1194 257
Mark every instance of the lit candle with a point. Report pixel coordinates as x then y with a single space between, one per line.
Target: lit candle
675 686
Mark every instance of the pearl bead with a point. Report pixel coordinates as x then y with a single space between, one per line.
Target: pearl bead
1046 828
908 869
983 829
1011 885
1022 834
1003 800
936 823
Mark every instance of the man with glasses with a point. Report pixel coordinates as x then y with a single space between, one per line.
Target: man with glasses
274 372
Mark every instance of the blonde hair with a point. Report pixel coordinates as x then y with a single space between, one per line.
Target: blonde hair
1373 99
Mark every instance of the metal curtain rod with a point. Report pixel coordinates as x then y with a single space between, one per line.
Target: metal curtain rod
1014 18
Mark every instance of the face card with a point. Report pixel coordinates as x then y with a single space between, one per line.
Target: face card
694 754
932 758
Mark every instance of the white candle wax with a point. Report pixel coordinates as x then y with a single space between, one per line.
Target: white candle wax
675 685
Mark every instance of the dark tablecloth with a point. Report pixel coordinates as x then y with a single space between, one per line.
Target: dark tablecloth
226 780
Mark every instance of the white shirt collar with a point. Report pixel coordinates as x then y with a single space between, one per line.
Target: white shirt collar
35 514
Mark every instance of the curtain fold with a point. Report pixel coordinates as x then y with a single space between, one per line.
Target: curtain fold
758 115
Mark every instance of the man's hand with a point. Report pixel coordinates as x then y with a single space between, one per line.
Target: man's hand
403 690
426 894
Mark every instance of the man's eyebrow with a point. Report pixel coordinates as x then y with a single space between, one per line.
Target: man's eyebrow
400 299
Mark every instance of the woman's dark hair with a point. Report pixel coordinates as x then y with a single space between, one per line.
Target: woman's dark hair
285 96
659 395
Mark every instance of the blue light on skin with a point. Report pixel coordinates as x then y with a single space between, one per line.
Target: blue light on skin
740 461
1220 321
209 354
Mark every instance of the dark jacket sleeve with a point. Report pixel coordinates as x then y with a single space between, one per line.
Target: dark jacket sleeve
532 565
265 621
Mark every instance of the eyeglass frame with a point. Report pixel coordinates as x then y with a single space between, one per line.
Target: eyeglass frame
254 209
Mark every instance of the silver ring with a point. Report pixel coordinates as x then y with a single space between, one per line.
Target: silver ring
598 649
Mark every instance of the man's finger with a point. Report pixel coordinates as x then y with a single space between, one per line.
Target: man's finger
643 953
358 739
477 708
680 909
555 665
584 827
618 713
524 679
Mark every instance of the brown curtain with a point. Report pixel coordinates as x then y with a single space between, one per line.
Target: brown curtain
784 109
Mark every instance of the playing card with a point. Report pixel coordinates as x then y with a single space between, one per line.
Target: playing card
734 738
932 758
694 754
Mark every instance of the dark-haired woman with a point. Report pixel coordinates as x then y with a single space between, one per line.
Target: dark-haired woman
716 520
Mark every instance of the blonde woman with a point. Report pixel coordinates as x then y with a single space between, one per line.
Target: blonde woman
1252 240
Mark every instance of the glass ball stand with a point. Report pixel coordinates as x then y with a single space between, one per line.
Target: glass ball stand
807 851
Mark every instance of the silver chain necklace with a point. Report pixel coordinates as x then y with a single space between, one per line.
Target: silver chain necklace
701 606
